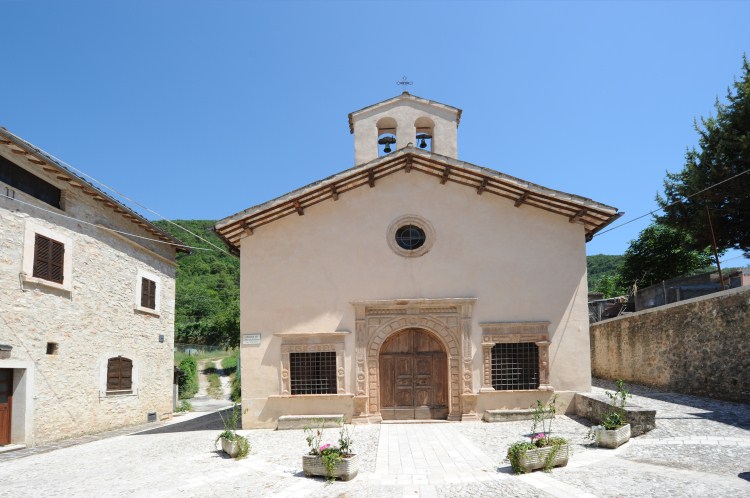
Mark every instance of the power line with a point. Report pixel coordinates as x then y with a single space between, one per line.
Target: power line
102 226
670 205
60 161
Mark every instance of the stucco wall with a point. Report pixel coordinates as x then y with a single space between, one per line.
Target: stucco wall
405 113
92 320
301 274
700 346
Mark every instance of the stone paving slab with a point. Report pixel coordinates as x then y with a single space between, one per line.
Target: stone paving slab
699 448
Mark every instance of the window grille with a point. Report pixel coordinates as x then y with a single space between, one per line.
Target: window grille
313 373
515 366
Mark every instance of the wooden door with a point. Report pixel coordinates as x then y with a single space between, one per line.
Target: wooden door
6 400
413 377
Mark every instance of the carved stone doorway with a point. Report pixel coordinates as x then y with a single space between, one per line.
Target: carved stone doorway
448 320
413 371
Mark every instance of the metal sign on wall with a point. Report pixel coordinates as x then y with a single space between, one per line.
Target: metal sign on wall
251 339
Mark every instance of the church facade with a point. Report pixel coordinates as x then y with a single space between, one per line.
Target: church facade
413 285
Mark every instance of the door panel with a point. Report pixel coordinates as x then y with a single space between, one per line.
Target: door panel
413 377
6 402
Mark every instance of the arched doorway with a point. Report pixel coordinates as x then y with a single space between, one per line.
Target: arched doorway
413 371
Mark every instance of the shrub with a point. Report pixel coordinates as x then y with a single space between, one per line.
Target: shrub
188 385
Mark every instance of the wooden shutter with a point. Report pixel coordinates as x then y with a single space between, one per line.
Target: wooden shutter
148 293
119 374
49 256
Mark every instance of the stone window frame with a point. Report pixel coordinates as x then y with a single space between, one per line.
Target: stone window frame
31 229
515 332
141 274
306 342
416 220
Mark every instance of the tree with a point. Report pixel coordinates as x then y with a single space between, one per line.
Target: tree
724 142
609 285
659 253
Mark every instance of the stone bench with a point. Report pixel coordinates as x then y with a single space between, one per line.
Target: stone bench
312 421
508 415
594 406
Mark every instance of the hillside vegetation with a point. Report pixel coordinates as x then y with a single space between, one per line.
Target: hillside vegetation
207 309
601 265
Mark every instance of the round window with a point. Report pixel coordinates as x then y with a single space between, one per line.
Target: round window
410 237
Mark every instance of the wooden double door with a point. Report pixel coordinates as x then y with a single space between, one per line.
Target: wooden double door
413 377
6 402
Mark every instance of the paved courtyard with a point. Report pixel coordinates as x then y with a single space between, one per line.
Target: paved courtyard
700 447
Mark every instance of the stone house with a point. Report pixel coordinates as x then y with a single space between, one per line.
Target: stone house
87 310
409 286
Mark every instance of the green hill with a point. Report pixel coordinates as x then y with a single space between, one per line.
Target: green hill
600 265
207 308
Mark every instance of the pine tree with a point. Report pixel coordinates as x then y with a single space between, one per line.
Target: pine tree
724 151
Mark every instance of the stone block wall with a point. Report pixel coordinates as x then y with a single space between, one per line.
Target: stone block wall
699 346
595 407
92 320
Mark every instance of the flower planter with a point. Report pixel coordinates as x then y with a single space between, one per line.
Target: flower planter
536 458
231 448
612 438
346 469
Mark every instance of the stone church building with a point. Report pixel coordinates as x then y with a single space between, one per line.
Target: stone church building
412 285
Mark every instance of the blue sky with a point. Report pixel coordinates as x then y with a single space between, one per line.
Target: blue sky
202 109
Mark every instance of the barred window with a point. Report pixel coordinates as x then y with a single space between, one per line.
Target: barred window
313 373
515 366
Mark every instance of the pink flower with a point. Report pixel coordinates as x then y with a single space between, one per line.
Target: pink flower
540 435
325 446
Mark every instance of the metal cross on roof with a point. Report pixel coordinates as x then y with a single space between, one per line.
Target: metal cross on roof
404 82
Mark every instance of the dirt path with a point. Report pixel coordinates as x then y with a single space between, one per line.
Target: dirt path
202 402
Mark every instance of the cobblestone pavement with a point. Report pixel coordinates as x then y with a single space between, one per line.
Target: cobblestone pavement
700 447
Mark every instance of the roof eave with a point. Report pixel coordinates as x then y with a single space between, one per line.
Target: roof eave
46 158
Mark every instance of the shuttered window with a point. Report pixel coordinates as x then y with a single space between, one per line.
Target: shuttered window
48 259
120 375
148 293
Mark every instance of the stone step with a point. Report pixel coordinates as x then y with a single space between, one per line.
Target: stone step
312 421
508 415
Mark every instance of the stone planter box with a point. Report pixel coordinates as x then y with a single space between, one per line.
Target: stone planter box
612 438
346 469
535 459
231 448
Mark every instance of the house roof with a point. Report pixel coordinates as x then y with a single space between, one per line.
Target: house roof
593 215
409 97
34 154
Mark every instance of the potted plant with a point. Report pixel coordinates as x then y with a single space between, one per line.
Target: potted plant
543 451
233 444
614 429
333 462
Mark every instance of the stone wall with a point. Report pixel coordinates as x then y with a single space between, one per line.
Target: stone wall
91 318
699 346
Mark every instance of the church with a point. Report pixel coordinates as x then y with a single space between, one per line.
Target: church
413 285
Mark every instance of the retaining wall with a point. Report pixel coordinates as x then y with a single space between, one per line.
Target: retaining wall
700 346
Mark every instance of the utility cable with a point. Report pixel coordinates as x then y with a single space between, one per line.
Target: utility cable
670 205
73 168
103 227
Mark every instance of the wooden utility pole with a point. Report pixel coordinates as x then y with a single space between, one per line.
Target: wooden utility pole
713 241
